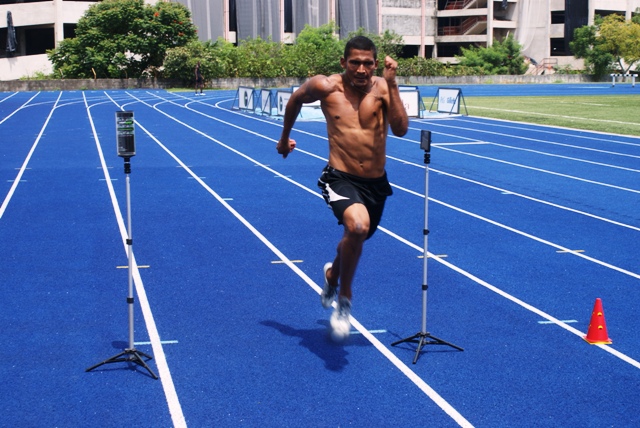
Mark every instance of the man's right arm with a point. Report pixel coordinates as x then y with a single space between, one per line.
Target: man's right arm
308 92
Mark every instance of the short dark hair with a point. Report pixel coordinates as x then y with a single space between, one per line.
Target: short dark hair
361 43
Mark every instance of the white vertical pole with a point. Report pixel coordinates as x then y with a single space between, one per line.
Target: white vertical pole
225 19
208 19
423 13
379 17
281 21
130 257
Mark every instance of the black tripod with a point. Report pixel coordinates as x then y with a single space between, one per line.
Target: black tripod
130 354
423 338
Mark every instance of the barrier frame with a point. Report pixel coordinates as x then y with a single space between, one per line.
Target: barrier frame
246 98
449 97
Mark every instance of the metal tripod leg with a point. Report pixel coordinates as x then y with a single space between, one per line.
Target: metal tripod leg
128 356
422 339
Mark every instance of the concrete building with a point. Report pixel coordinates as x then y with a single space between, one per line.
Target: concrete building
39 25
430 28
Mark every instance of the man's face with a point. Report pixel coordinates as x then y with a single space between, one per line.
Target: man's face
359 66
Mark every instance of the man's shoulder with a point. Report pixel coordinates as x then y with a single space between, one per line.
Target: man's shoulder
325 85
380 82
331 80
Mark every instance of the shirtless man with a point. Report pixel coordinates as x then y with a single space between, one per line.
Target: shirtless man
359 108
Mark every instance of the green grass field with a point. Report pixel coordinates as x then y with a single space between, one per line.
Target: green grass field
605 113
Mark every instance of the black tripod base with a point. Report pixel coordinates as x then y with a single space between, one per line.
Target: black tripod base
128 356
423 339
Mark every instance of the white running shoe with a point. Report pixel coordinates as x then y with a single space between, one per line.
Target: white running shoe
328 292
340 324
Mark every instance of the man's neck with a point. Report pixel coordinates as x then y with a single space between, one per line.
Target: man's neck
357 89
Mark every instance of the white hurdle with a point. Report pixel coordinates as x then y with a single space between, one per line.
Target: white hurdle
614 75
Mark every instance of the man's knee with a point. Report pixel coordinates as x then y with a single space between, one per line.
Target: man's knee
359 230
356 221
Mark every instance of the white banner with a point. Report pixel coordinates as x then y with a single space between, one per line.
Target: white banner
245 98
411 101
265 101
282 98
449 100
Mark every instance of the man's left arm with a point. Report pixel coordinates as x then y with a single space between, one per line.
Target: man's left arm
396 114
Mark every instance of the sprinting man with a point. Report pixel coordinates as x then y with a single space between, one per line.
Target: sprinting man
359 108
199 79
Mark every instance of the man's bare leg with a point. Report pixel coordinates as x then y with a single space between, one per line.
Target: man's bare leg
356 228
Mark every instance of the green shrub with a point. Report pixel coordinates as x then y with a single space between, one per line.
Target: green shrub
503 57
419 66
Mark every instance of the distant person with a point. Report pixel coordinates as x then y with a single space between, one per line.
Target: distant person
359 108
199 79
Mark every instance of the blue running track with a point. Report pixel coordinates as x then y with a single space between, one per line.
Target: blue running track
529 226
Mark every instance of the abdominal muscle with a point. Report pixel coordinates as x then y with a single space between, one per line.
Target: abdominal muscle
357 134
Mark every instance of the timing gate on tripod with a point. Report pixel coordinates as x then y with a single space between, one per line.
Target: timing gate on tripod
125 137
423 337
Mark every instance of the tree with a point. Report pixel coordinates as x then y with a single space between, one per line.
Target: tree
259 58
501 58
217 60
622 39
585 45
610 44
123 38
317 51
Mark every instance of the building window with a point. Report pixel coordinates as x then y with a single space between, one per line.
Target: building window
604 13
409 51
38 40
69 31
557 17
288 16
233 22
20 1
558 47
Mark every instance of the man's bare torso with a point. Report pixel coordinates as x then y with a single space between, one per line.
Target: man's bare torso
356 125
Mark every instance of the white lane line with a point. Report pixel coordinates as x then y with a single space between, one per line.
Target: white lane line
512 125
564 321
379 331
465 143
508 192
164 342
515 300
25 104
7 97
525 234
572 133
545 171
18 178
158 352
577 118
539 152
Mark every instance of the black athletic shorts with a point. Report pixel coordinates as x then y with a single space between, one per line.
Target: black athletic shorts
341 190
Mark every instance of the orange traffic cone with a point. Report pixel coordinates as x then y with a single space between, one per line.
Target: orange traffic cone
597 334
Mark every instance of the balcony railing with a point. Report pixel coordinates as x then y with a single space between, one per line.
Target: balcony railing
463 28
457 4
